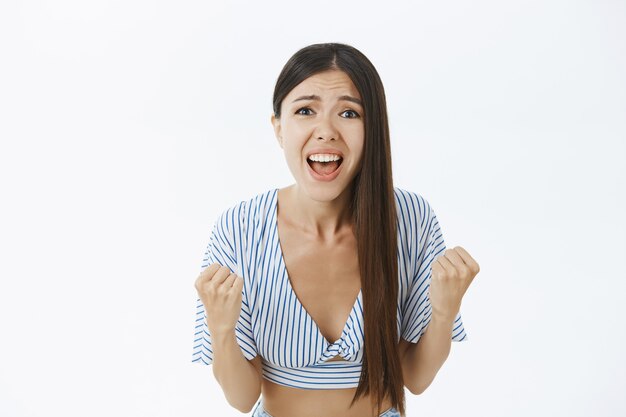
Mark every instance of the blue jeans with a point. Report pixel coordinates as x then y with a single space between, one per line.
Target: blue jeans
259 411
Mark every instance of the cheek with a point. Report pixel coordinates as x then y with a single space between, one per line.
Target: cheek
294 138
358 141
296 131
291 132
357 135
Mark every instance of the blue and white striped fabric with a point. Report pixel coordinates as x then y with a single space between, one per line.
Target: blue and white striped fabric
273 323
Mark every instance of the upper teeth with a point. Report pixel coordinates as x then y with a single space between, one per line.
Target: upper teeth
324 157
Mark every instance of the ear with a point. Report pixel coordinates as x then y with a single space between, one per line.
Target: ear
276 124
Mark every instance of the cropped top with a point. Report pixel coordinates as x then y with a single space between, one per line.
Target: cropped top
273 323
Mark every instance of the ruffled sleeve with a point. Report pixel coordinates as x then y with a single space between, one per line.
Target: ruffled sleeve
223 247
430 244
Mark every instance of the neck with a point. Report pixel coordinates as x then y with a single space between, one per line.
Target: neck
323 220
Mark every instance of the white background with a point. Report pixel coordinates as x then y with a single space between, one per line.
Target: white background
127 126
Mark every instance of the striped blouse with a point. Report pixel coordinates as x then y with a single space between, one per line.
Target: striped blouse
274 324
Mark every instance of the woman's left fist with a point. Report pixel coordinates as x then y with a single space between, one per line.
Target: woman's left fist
452 274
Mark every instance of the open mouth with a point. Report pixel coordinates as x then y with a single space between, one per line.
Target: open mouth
324 168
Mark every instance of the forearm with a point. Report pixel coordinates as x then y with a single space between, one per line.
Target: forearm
238 378
423 360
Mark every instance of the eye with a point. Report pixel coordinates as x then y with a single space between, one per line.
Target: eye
356 115
303 108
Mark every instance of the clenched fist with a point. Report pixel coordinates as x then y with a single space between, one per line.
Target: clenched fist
452 273
220 292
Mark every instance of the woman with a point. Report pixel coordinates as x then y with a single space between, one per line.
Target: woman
294 278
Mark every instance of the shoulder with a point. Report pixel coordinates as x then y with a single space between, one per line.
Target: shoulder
412 207
250 212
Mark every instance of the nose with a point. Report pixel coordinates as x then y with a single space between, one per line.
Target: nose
326 130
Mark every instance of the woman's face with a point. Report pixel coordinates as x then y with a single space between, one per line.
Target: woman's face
322 115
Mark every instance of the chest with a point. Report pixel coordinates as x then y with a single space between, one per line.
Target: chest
324 277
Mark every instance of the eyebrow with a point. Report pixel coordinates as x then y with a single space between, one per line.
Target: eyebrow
315 97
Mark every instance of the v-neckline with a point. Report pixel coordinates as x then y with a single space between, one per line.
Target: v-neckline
285 273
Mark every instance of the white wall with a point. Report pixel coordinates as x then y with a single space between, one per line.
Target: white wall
126 126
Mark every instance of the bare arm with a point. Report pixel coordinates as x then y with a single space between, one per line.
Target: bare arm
239 378
421 361
452 273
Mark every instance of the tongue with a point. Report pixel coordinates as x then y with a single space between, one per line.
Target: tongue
324 168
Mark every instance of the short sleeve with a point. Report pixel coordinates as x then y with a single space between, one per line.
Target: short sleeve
224 243
418 310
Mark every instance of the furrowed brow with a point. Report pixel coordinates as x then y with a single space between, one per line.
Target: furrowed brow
352 99
317 98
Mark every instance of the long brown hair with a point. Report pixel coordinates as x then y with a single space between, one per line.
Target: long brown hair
374 215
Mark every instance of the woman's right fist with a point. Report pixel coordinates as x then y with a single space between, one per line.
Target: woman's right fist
220 292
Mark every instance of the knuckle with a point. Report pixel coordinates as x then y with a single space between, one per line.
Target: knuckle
200 286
